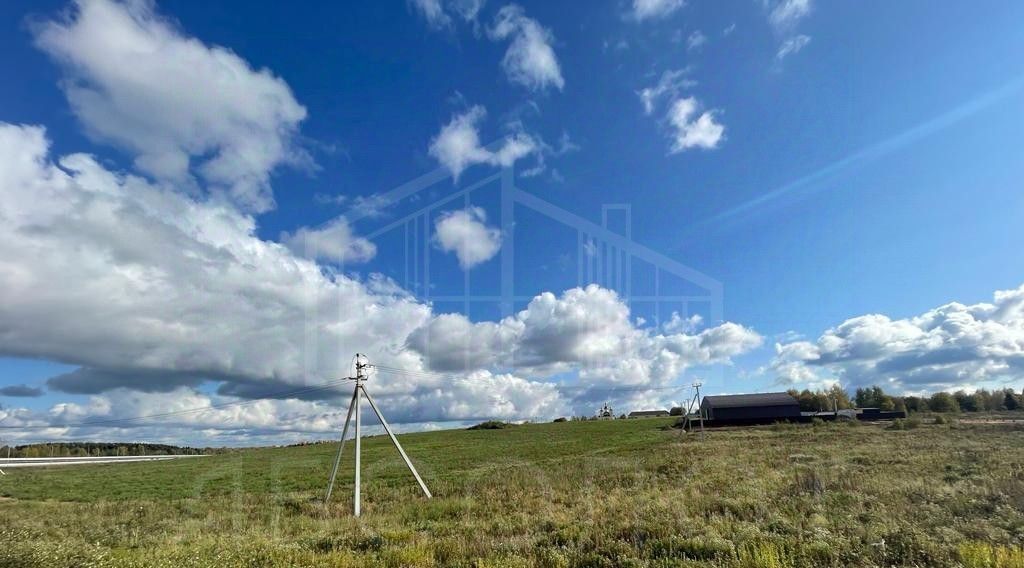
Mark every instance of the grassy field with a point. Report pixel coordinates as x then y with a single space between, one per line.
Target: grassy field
616 493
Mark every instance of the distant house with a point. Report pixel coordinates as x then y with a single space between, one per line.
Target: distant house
750 408
647 413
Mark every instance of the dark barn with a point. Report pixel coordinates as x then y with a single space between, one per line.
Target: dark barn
761 408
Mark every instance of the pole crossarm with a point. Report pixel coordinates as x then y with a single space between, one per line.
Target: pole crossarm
357 393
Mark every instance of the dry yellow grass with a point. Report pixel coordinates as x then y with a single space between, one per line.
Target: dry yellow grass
620 493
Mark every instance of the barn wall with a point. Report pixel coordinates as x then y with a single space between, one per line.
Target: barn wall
754 412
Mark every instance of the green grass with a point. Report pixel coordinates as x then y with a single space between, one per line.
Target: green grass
599 493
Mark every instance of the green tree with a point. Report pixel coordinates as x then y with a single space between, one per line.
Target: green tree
862 397
916 404
1010 401
943 402
878 397
821 400
873 397
807 403
966 402
839 396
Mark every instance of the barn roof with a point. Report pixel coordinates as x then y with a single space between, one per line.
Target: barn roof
758 399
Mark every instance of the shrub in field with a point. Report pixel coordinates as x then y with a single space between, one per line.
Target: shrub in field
491 425
905 423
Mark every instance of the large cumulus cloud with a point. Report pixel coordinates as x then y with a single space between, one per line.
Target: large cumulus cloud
125 277
181 107
588 329
952 346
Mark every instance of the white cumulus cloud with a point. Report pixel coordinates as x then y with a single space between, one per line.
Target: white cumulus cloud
530 60
180 107
692 128
167 289
588 329
948 347
466 234
334 241
457 146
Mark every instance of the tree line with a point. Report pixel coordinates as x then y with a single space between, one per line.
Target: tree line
99 449
981 400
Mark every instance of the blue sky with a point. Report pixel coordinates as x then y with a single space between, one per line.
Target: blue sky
823 161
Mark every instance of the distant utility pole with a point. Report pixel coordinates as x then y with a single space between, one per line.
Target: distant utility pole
700 410
361 367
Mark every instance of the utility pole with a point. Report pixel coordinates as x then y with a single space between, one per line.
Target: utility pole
700 410
362 366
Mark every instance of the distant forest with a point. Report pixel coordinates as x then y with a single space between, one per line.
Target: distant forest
981 400
101 449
